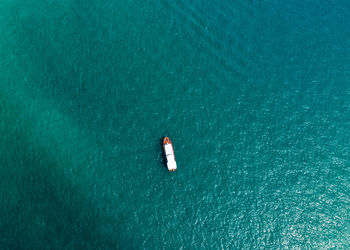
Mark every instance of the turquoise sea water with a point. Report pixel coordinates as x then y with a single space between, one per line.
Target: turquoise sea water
255 96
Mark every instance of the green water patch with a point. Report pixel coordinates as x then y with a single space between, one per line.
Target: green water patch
49 171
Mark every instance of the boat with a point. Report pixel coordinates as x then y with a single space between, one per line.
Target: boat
169 153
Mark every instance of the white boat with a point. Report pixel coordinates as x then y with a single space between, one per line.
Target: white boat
169 153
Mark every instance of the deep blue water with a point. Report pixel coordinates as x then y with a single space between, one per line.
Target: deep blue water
255 96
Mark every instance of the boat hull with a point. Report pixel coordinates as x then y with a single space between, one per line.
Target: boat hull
169 154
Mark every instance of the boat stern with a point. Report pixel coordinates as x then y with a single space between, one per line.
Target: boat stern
171 165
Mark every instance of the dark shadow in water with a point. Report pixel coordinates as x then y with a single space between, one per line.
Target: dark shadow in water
164 161
69 51
42 204
42 209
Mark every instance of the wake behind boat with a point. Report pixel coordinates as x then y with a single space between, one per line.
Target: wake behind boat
169 153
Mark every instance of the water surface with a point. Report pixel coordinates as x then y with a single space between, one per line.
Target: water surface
255 96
